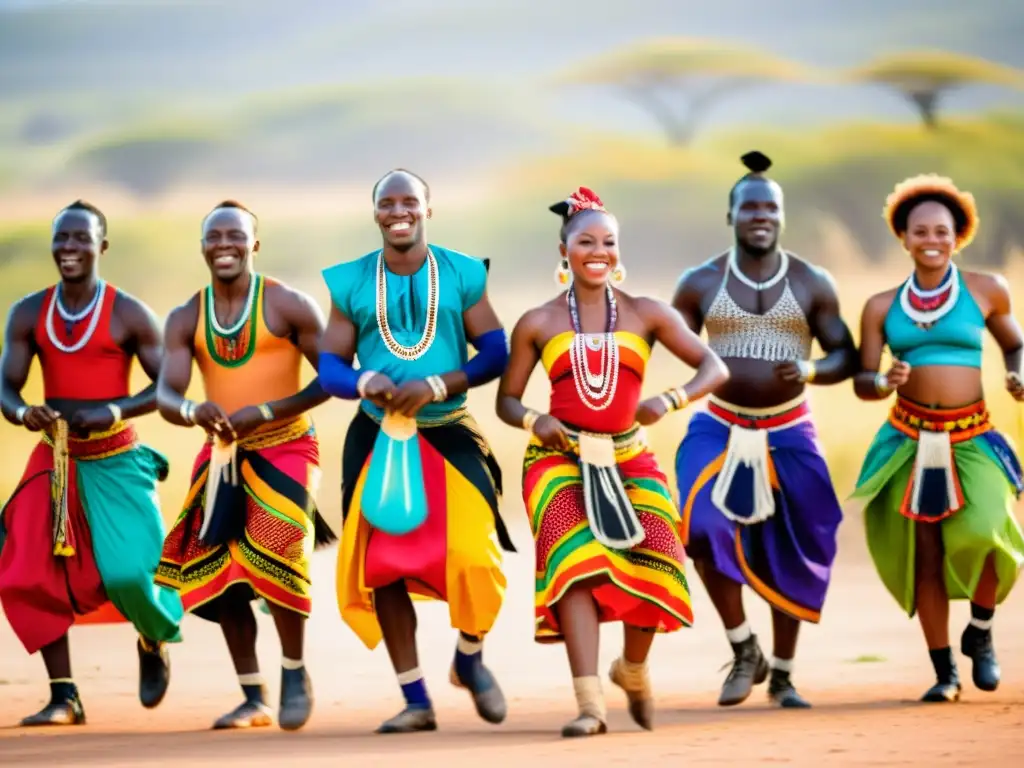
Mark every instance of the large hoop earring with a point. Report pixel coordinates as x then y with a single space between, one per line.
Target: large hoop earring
618 273
563 274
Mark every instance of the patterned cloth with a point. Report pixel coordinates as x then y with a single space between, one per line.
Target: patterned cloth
455 556
274 525
646 586
977 520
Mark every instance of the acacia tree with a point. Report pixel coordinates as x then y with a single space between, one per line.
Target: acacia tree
924 77
678 80
145 165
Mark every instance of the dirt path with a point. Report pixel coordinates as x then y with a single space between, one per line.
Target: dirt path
863 668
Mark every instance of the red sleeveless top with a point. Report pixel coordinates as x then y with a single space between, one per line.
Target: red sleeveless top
566 404
99 370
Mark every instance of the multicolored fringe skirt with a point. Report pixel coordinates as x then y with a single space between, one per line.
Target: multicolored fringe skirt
454 556
81 539
256 536
758 502
646 582
950 468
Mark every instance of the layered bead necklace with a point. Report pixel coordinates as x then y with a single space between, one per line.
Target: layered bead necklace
927 307
231 346
94 307
430 328
596 390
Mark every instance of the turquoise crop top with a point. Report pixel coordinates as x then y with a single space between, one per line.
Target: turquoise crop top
461 281
955 339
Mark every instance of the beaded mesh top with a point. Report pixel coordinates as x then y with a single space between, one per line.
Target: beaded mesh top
780 334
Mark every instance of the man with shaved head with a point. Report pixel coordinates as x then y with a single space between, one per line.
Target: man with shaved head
249 522
757 501
84 526
428 526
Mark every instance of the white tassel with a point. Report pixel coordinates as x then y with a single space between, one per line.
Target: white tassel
749 448
934 451
223 468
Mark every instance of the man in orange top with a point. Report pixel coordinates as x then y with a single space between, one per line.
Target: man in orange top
249 522
84 525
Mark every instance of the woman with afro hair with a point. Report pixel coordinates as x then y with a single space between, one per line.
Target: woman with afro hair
939 481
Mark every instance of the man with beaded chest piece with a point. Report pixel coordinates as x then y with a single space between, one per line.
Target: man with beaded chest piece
420 486
249 523
80 537
755 495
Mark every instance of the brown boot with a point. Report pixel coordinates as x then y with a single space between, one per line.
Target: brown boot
635 680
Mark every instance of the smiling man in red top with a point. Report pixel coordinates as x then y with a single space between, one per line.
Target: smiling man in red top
84 525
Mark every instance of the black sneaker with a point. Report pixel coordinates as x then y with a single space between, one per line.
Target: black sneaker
782 693
976 644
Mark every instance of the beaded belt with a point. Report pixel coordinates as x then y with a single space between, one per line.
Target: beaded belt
777 417
276 435
425 422
962 424
627 444
119 438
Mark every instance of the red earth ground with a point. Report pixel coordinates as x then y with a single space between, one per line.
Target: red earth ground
863 668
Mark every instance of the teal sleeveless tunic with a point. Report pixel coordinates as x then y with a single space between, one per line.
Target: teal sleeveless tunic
462 280
955 339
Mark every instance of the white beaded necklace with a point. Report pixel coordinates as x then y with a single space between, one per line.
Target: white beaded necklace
923 318
242 318
95 306
734 267
430 327
74 317
596 390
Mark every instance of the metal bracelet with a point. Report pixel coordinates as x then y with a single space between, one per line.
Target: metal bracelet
187 411
363 380
19 415
438 386
529 419
266 412
676 399
882 384
115 411
808 370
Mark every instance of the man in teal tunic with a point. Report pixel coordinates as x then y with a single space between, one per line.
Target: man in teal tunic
407 312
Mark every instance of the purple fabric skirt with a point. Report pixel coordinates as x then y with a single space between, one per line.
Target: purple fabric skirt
786 558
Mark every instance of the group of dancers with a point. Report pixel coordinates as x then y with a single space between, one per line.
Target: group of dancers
82 535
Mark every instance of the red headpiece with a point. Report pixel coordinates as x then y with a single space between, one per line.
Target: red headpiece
583 199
